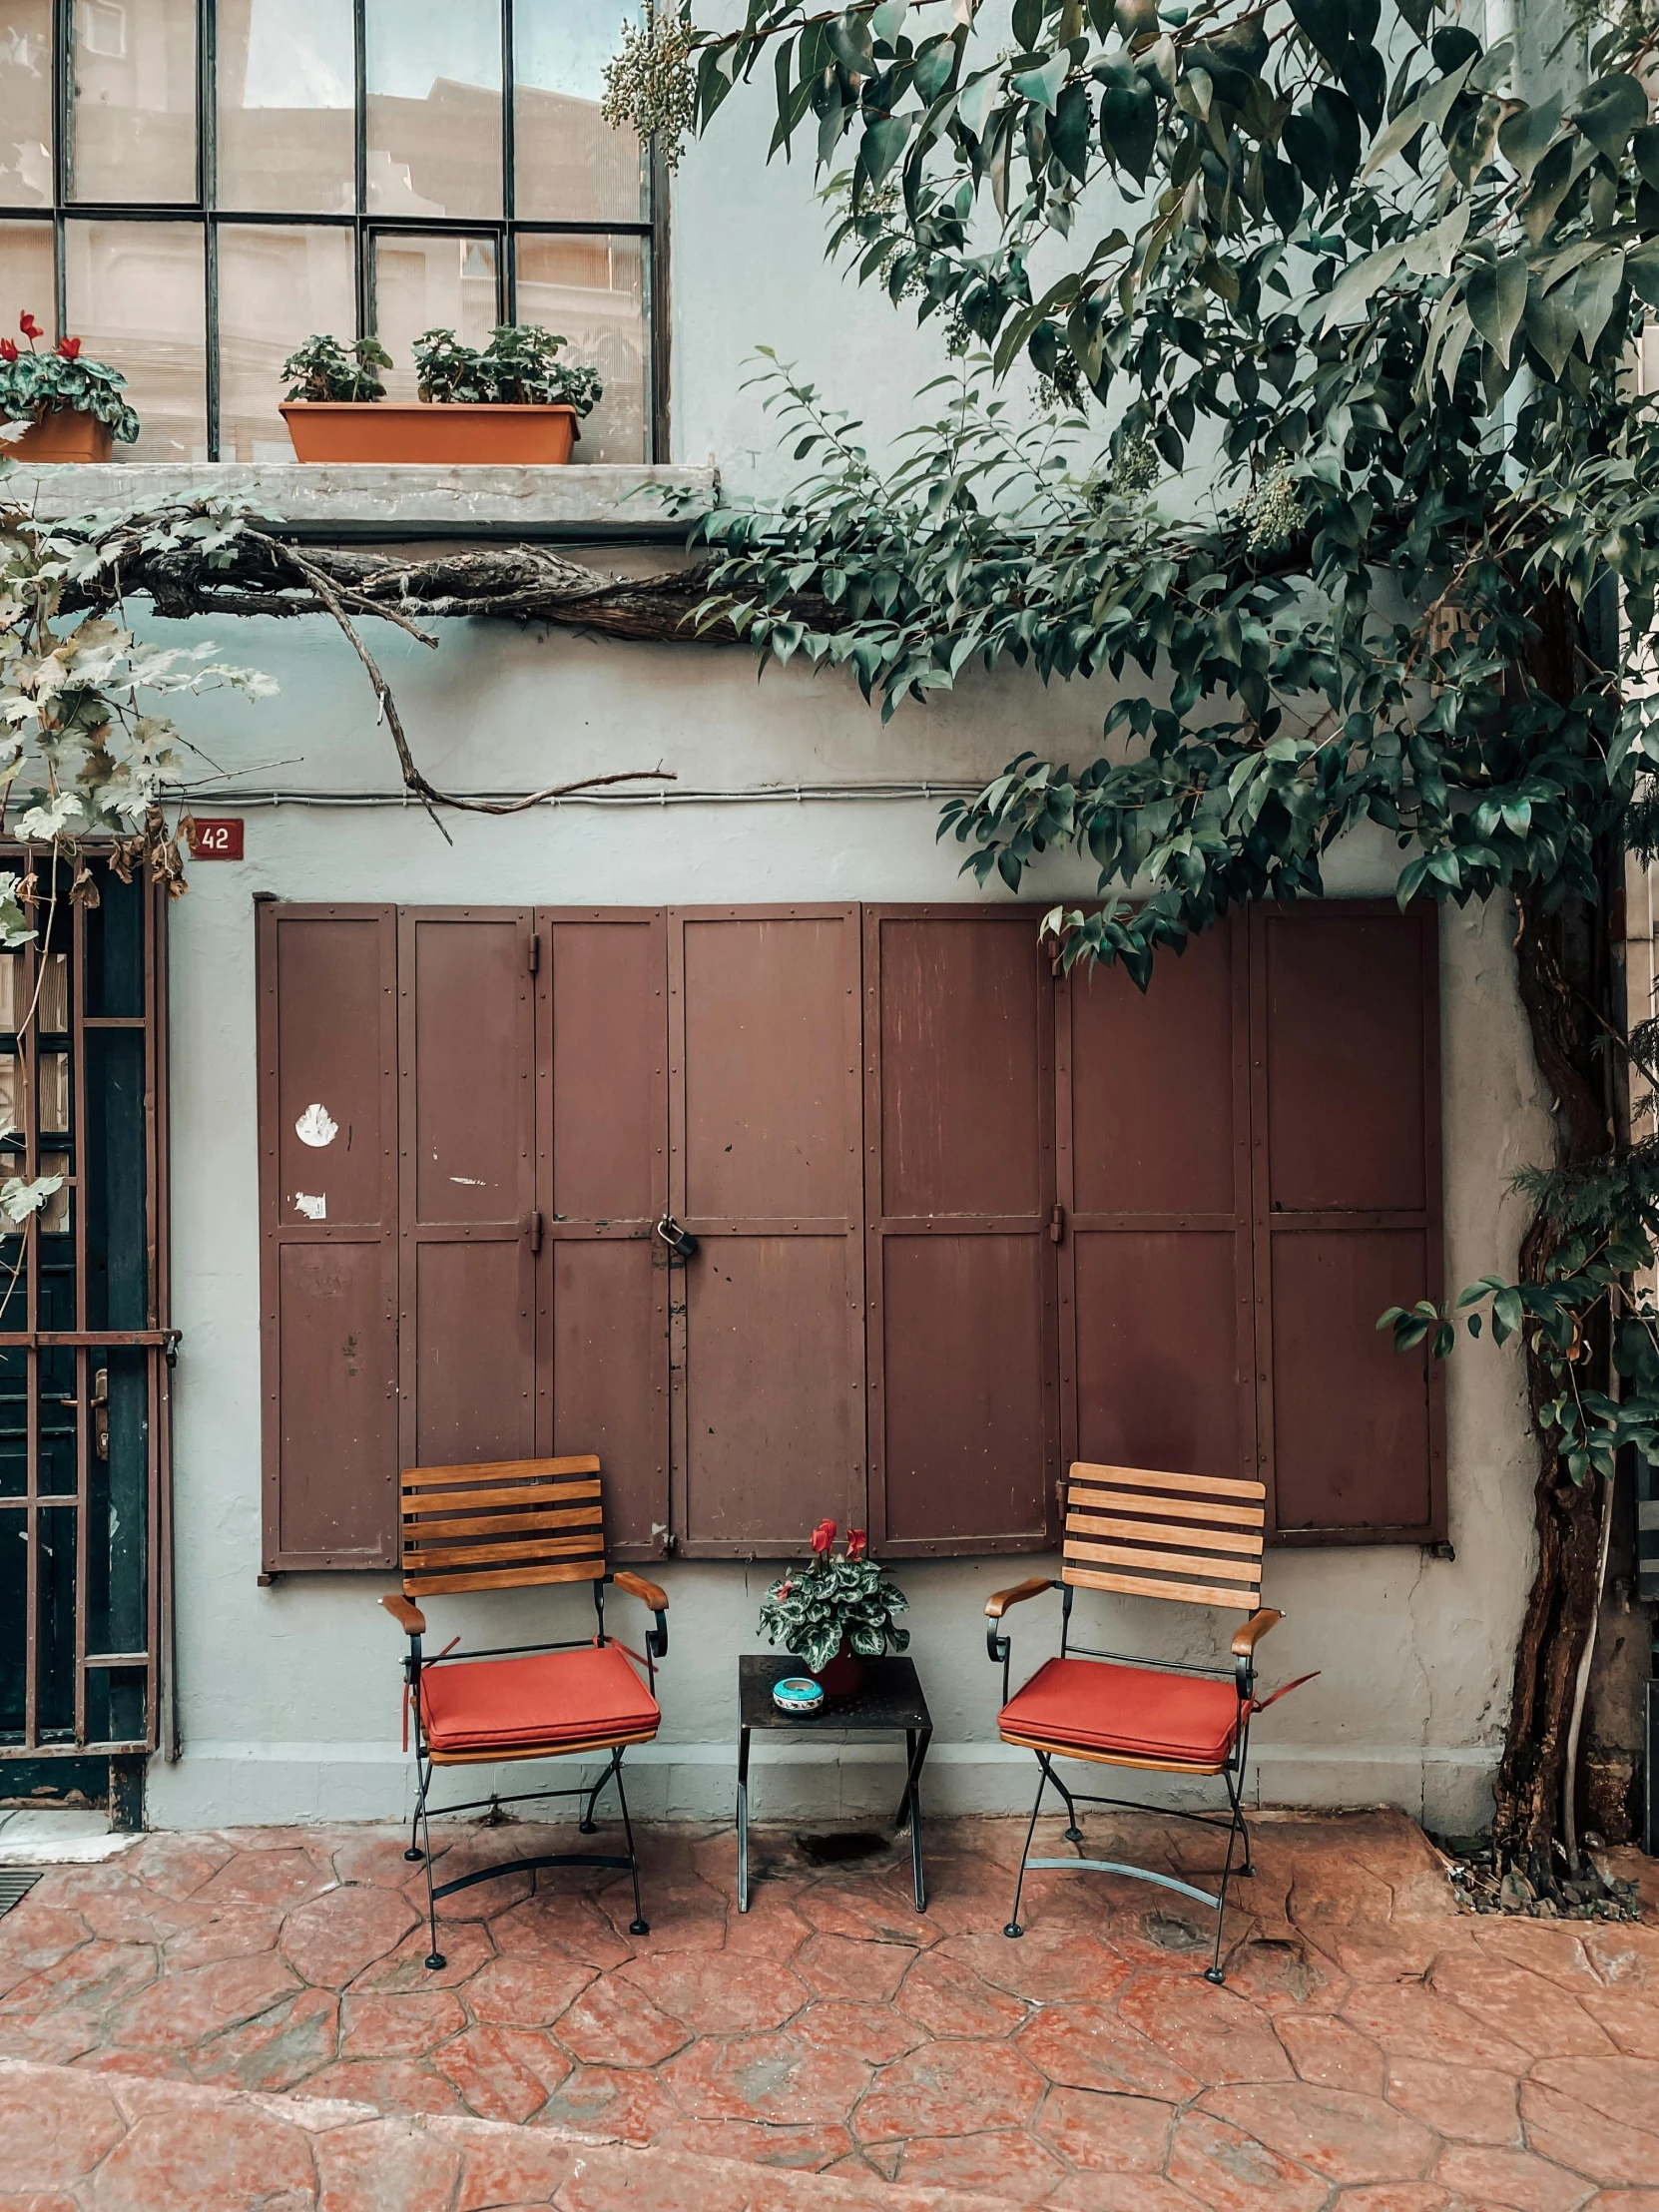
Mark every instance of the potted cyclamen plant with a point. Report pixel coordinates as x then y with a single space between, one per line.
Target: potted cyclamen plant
73 406
512 401
835 1611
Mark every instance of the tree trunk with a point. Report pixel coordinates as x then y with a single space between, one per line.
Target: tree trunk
1558 962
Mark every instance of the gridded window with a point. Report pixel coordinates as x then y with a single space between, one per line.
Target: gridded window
195 185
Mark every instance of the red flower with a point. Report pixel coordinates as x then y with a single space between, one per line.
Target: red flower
823 1535
28 326
8 350
783 1590
857 1543
70 349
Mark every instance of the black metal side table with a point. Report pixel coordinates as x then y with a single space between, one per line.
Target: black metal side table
889 1699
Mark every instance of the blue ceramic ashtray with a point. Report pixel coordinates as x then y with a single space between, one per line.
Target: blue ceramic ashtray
797 1693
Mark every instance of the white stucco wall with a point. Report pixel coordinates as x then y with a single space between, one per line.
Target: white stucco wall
288 1696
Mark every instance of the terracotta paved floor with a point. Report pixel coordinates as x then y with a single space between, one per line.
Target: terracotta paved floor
1374 2052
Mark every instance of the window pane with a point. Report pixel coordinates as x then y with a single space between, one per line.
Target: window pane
434 107
132 131
26 104
285 77
25 274
135 297
276 286
571 166
428 283
591 292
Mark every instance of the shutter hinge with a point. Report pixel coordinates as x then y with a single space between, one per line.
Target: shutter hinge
1057 1225
533 1225
535 951
666 1542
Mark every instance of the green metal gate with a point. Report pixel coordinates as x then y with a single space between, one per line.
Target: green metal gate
85 1346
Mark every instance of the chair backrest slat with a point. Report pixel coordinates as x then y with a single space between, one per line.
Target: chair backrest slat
1196 1538
503 1524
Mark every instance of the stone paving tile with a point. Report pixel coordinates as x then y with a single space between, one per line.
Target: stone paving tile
1373 2050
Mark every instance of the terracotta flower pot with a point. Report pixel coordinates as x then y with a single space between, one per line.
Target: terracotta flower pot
841 1677
63 435
396 431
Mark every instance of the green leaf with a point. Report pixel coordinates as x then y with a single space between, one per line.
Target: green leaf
1609 112
1129 127
1351 294
1028 24
1589 296
884 141
1550 332
1043 86
1496 297
1525 137
1433 106
1326 23
1070 129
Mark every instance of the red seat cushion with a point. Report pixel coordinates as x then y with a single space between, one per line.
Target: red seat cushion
1138 1711
549 1698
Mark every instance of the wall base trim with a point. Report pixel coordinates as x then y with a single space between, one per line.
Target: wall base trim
229 1784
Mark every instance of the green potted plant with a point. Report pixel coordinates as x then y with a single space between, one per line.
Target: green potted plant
73 406
835 1611
513 401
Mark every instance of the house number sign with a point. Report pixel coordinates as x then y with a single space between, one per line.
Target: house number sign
215 839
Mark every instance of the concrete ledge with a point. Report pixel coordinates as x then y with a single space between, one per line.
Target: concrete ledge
218 1785
574 503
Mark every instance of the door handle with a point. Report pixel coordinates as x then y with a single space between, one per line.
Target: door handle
682 1245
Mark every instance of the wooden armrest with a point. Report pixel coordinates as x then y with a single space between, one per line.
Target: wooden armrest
999 1600
636 1585
408 1617
1250 1635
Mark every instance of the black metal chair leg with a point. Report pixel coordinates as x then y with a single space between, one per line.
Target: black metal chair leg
436 1960
1074 1835
415 1852
639 1924
1212 1972
1013 1927
586 1824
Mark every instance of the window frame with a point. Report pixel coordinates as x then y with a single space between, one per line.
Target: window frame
207 216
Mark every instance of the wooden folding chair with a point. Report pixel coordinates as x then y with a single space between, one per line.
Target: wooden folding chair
1193 1538
502 1527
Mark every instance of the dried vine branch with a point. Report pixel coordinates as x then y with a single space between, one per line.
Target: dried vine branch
260 573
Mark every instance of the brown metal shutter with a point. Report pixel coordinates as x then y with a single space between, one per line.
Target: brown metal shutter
602 1072
1156 1323
1345 1026
329 1233
466 1058
765 1168
959 1136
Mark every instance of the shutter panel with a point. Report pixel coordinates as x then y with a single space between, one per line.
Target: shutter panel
765 1170
1344 1020
1157 1329
602 1070
466 1056
960 1131
328 1042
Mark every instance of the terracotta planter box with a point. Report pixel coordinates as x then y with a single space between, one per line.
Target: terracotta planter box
394 430
63 436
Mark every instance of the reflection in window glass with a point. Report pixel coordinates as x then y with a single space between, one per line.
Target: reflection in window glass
591 292
430 283
135 296
570 165
286 96
26 104
275 287
132 122
25 274
434 107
